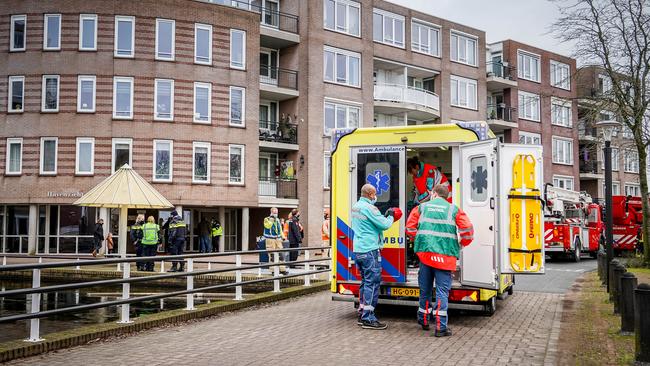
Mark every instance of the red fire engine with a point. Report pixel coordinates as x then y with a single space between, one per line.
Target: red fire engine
627 215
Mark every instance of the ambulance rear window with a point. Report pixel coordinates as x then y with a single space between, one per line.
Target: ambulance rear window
478 166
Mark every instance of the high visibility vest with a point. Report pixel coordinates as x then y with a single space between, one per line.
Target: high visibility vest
272 228
177 230
150 233
217 231
437 231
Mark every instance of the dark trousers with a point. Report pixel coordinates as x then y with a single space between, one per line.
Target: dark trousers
139 252
177 249
293 255
148 251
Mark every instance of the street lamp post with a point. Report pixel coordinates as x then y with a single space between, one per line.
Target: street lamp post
608 128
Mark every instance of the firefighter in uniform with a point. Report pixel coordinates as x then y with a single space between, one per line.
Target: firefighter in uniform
149 242
177 232
136 238
216 231
437 226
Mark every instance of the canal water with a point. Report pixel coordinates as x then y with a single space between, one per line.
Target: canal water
55 300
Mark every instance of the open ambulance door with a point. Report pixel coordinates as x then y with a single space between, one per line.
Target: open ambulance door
478 181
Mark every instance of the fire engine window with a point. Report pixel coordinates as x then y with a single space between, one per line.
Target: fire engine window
478 166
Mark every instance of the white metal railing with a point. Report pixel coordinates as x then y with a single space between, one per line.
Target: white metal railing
407 94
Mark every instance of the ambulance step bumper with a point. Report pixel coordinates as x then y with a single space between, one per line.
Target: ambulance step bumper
554 250
452 305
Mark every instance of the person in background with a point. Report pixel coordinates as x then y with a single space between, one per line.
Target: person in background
425 177
149 242
177 233
325 231
136 239
216 231
295 234
109 243
205 244
98 236
273 235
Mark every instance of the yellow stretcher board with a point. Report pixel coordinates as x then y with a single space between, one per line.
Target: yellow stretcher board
525 217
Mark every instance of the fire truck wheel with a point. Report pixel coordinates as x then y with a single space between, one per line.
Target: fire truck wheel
576 253
490 306
593 255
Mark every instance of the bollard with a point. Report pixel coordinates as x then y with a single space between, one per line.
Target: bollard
642 323
601 265
616 291
610 277
626 289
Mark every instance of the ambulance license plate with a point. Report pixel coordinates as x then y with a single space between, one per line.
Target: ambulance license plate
402 291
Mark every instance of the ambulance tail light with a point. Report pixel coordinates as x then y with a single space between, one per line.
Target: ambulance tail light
463 295
349 289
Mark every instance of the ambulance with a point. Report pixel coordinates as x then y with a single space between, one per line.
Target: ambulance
498 185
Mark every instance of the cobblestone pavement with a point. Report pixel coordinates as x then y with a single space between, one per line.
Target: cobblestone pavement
313 330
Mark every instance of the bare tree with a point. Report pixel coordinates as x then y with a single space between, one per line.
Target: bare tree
615 35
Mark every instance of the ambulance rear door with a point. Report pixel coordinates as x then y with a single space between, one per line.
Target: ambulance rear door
478 261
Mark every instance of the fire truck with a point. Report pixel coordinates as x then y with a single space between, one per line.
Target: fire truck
628 217
573 223
480 170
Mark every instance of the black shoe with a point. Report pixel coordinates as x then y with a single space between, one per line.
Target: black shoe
359 321
182 269
375 324
424 326
443 333
173 269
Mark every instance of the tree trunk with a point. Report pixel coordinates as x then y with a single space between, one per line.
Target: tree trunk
643 180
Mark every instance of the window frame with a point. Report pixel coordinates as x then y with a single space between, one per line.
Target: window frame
468 82
171 161
559 84
636 186
347 105
121 140
393 17
117 79
11 141
208 145
327 169
467 36
10 93
156 40
519 107
41 159
531 135
553 153
45 20
198 84
520 68
83 17
208 27
347 54
564 178
12 30
431 27
44 93
243 62
243 164
348 4
628 154
79 141
131 19
243 106
155 100
561 103
81 78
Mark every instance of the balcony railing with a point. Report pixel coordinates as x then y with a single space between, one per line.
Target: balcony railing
585 129
276 76
283 132
268 16
590 167
499 70
278 188
501 112
407 94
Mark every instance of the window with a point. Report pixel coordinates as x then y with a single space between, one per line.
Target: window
529 106
88 32
631 161
342 16
604 84
562 181
202 105
480 182
203 44
50 93
124 36
165 39
123 97
561 112
162 160
632 190
615 160
237 49
236 164
528 66
16 94
164 100
48 155
616 188
388 28
339 115
627 132
425 38
86 89
85 159
237 106
562 151
342 67
18 37
463 49
14 163
327 170
463 92
201 162
560 75
122 153
529 138
52 32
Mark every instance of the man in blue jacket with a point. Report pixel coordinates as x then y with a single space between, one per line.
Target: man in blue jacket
369 225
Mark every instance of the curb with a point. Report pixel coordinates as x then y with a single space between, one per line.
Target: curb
80 336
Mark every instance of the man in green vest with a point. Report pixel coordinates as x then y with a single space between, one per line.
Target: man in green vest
149 241
437 226
216 231
136 239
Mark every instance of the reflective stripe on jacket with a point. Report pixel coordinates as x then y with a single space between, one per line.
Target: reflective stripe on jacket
272 228
150 233
368 225
428 176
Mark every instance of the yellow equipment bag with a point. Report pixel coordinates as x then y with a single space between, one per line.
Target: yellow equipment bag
525 217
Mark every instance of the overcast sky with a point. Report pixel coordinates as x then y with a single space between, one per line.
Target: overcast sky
524 21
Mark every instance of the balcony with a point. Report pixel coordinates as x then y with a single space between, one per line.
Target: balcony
419 103
500 77
278 192
591 169
278 136
277 83
501 117
586 132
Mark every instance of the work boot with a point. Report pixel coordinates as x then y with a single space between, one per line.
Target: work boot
443 333
375 324
359 321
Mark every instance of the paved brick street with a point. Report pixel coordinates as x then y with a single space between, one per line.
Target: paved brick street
313 330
